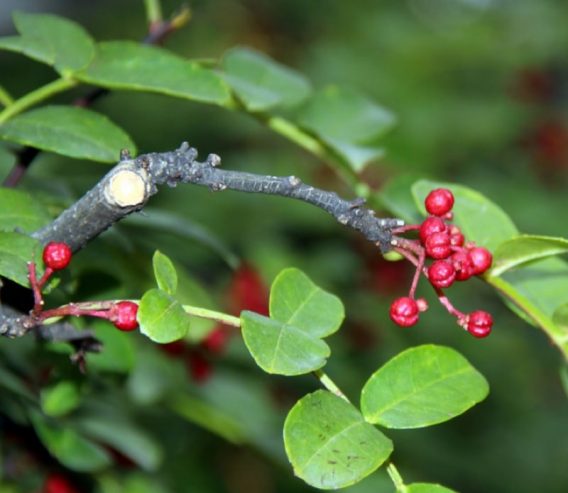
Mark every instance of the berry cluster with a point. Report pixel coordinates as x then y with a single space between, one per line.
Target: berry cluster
453 259
57 256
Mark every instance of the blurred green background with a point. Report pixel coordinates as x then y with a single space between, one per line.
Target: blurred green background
480 91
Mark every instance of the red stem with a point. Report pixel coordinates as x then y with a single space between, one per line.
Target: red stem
405 229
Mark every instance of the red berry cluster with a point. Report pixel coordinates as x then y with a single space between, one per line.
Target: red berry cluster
453 259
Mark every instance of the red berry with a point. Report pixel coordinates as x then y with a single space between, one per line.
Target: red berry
247 291
442 274
404 312
57 483
57 255
431 225
479 324
439 202
463 265
438 245
174 349
216 340
481 259
456 236
125 315
200 369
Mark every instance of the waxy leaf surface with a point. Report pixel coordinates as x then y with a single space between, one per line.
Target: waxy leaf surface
70 131
329 443
422 386
132 66
161 317
260 82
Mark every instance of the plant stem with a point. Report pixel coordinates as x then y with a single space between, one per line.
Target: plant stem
37 96
329 384
5 98
153 11
396 478
212 315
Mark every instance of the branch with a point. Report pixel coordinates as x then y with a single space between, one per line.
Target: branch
15 324
129 185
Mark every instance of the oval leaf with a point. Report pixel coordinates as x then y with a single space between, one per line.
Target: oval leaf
124 436
420 387
69 131
296 300
20 210
525 248
161 317
260 82
52 40
480 220
165 273
427 488
16 250
348 122
329 444
129 65
69 447
281 348
60 399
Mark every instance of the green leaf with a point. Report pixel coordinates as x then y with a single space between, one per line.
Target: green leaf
427 488
329 444
69 131
296 300
281 348
543 284
20 210
165 273
349 123
207 416
136 67
50 39
560 316
260 82
60 399
420 387
124 436
69 447
289 343
480 220
538 290
161 317
524 249
16 250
